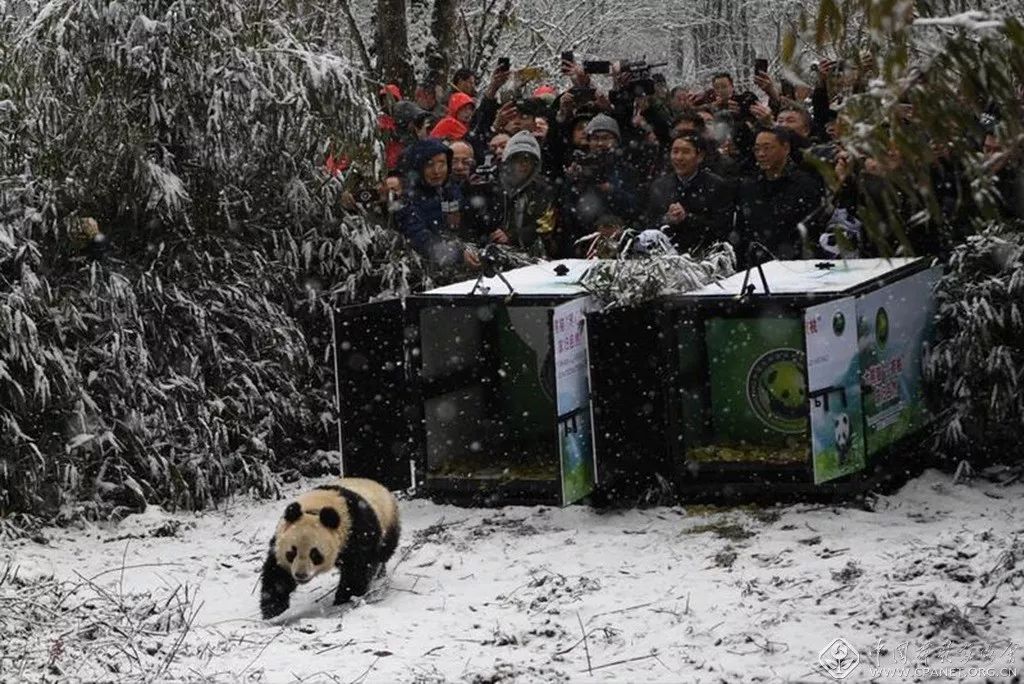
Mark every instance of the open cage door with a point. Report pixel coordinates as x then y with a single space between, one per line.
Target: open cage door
834 390
629 378
575 417
375 414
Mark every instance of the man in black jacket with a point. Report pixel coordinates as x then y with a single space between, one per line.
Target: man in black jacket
696 205
782 207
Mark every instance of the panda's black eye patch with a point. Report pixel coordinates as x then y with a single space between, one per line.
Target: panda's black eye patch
316 556
291 554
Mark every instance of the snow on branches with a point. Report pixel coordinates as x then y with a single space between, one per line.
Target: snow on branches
169 242
976 370
630 281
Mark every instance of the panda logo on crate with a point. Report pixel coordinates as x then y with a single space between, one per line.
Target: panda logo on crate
842 434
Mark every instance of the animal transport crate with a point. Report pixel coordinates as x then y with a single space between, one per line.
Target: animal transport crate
476 392
797 376
794 376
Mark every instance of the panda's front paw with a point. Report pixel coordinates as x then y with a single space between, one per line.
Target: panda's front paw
272 606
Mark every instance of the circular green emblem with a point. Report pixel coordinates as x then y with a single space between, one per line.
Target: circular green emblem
881 327
777 390
838 323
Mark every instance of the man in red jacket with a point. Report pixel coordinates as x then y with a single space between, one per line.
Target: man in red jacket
390 95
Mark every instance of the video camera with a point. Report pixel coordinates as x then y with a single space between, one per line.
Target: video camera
639 75
532 106
485 173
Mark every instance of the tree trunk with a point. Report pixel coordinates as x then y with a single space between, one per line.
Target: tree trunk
442 44
394 61
355 38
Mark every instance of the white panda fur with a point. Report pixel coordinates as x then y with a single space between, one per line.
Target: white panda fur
350 524
842 436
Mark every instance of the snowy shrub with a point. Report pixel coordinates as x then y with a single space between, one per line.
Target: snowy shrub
183 357
631 281
977 367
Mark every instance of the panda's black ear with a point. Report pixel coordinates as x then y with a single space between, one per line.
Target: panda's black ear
330 518
293 512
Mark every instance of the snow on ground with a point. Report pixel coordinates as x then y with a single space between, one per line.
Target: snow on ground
931 577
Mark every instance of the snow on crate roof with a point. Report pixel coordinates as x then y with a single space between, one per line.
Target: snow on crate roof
538 279
806 277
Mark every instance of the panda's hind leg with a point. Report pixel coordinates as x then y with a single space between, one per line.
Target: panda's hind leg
389 543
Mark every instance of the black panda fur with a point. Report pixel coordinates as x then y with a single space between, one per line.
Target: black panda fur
359 516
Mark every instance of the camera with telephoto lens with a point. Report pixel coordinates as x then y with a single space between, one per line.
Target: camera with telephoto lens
595 166
485 173
640 76
583 95
532 106
365 197
637 74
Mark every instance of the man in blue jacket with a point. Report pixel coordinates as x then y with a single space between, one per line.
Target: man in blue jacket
430 216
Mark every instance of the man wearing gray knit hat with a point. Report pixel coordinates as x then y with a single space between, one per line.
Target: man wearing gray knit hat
600 130
528 216
600 182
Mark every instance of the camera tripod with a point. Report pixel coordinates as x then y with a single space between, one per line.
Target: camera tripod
754 253
491 268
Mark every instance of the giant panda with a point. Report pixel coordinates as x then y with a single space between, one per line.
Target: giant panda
842 435
350 524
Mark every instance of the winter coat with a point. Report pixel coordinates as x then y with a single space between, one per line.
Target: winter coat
450 128
525 212
709 203
584 201
770 212
393 146
429 216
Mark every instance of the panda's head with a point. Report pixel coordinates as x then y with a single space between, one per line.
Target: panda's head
308 543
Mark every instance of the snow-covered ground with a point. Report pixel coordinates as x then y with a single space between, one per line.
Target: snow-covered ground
931 577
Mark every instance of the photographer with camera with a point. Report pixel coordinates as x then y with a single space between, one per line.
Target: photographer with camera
430 217
510 204
645 124
573 109
527 217
480 192
378 205
598 181
695 206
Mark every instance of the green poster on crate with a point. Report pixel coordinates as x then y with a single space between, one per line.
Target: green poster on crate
833 382
758 380
894 326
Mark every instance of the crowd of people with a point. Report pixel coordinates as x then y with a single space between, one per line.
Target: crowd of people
559 173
